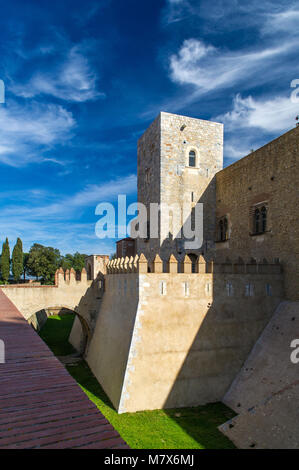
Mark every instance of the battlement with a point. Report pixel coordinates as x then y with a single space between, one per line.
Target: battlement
70 277
140 264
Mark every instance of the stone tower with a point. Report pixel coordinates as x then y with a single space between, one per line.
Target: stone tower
178 158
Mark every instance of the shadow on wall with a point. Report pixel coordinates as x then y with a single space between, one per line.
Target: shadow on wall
38 319
231 322
236 305
176 244
86 315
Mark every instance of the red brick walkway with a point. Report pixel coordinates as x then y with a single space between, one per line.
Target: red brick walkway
41 405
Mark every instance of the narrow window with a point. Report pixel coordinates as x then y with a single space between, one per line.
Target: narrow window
268 290
256 221
192 197
148 230
147 175
223 230
249 290
186 289
260 220
229 289
192 158
163 288
193 219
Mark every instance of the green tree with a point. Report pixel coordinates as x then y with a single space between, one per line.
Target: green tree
25 265
67 262
5 261
17 260
76 261
43 262
79 261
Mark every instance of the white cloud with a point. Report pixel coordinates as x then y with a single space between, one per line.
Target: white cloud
54 219
272 115
66 207
73 80
176 10
208 68
26 131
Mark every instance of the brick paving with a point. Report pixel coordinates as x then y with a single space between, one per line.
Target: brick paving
41 405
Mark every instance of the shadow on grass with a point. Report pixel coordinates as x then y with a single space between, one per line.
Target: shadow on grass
55 334
186 428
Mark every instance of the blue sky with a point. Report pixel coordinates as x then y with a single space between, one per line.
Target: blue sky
85 79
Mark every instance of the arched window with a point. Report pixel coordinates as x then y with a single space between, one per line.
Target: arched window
264 218
192 158
223 229
260 220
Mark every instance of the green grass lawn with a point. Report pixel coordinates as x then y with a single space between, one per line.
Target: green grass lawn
185 428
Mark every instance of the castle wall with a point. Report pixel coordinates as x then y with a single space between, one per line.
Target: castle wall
148 173
166 340
109 348
270 174
35 302
266 391
95 264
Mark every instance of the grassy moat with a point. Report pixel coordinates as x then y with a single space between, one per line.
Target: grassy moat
185 428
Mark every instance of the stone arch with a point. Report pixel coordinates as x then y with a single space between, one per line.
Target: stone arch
38 320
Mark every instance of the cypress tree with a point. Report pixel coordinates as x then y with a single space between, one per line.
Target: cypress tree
17 260
5 261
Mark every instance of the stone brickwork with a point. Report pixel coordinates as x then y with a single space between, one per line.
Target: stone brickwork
169 339
82 297
265 392
270 176
95 264
164 175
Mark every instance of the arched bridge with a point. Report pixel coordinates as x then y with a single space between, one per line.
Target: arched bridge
69 294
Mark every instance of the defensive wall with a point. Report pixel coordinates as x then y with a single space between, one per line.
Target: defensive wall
268 176
177 338
69 293
265 392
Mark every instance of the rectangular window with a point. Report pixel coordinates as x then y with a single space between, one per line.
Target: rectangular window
229 289
249 290
147 175
269 290
186 289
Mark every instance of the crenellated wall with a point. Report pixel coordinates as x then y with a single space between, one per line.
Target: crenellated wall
174 339
269 176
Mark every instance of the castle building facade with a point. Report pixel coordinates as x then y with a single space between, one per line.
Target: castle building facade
249 208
